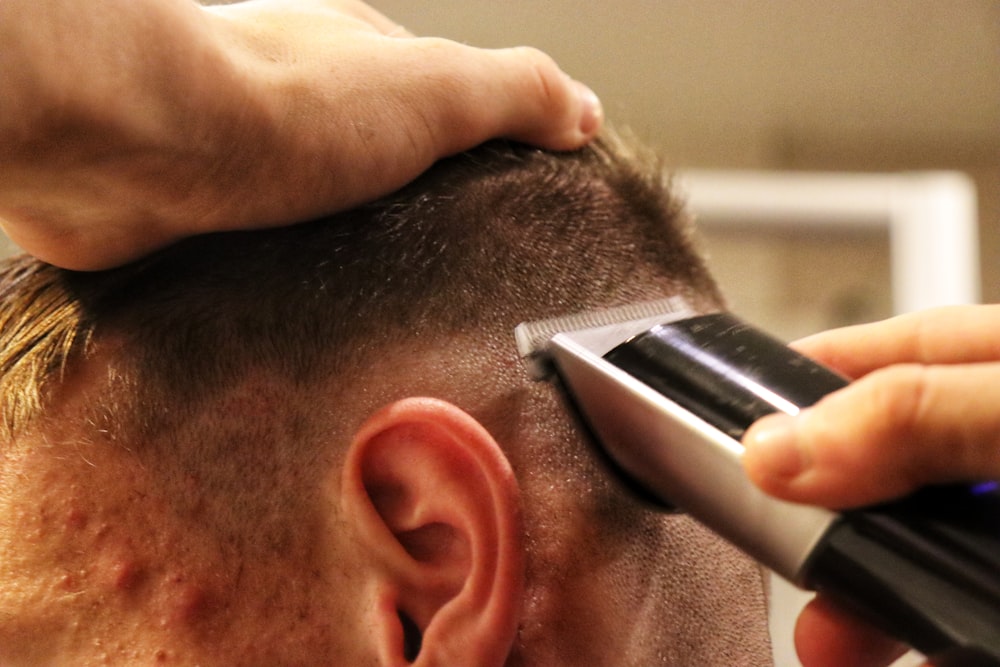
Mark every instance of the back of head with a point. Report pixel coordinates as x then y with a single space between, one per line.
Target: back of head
229 363
450 265
485 240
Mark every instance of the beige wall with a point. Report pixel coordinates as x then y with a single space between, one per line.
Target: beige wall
777 84
893 85
6 247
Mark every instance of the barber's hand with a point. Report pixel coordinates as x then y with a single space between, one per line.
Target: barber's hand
127 124
925 410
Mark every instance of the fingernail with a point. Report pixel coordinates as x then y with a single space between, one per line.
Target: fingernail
772 448
592 112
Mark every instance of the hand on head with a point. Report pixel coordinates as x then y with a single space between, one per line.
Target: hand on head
923 410
229 450
244 115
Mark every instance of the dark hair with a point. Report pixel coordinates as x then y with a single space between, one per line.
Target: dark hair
486 239
234 367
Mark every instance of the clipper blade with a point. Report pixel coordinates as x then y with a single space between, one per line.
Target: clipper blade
605 329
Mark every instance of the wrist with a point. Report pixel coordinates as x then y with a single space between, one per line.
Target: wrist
113 112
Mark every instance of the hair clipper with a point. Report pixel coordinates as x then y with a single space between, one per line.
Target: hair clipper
668 394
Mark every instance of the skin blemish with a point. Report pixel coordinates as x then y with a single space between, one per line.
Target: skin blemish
185 602
76 520
103 531
114 566
192 603
70 583
126 575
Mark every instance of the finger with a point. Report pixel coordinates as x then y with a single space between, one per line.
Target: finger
826 636
518 93
951 335
883 436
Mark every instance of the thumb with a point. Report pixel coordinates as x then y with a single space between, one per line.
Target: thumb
883 436
547 107
517 93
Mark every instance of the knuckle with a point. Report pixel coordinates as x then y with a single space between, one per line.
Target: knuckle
545 80
921 442
902 396
887 413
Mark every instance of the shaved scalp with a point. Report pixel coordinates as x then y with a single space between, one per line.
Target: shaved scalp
239 357
485 240
230 372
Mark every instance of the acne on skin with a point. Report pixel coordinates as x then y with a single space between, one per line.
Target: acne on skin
97 568
101 555
84 535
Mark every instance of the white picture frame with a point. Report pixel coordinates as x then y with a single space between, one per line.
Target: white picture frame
932 224
931 219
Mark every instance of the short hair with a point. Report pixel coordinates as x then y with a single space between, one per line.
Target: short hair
227 367
219 353
494 236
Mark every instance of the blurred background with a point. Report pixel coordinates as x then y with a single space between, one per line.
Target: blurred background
854 86
887 87
847 86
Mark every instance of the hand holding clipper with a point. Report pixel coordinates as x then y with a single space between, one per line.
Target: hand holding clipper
668 394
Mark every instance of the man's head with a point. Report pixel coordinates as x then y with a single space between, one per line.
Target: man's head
317 446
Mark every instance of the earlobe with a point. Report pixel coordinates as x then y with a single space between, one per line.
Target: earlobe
435 504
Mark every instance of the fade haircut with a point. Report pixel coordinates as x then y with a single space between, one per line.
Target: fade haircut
228 373
487 239
233 368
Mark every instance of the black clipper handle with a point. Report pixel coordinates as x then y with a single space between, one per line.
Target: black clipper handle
926 569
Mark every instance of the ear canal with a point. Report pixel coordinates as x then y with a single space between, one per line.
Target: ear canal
412 638
438 505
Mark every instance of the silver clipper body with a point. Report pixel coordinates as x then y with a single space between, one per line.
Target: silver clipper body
668 393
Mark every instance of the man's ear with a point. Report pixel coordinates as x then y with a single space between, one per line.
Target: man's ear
436 507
